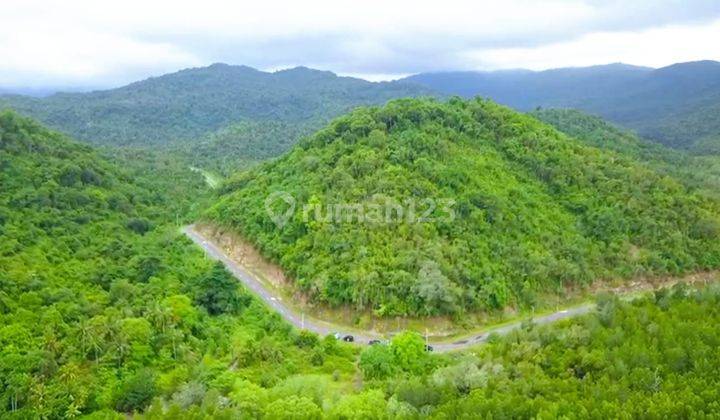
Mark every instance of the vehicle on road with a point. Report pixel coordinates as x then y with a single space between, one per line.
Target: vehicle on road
348 338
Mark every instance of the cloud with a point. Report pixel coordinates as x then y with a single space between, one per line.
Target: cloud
656 47
68 56
112 43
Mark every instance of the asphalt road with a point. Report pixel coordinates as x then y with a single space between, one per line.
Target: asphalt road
301 321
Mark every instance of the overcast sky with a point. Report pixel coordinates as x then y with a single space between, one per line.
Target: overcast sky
90 43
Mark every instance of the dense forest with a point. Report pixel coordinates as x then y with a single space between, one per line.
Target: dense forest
107 311
243 144
654 357
697 171
105 306
448 225
675 105
534 210
189 104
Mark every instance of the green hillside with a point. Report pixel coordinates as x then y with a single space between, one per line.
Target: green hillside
675 105
534 211
192 103
245 143
104 306
599 133
699 123
107 312
697 171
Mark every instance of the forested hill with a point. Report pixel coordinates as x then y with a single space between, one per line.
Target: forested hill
535 210
80 239
675 105
104 306
193 102
597 132
107 313
245 143
700 172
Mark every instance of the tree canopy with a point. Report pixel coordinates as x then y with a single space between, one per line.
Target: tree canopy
533 211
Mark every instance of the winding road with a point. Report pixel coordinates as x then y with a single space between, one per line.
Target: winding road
301 321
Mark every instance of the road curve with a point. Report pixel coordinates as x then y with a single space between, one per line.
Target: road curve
298 320
323 328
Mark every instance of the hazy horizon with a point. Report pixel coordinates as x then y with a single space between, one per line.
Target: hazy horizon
86 45
42 91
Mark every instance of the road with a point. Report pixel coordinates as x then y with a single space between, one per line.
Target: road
301 321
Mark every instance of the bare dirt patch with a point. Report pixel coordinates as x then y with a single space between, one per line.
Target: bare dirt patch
246 254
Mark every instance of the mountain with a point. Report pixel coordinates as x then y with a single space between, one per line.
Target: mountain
30 91
245 143
421 207
191 103
525 89
107 313
699 172
673 105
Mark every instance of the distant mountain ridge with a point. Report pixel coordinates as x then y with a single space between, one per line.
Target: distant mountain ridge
673 105
191 103
523 89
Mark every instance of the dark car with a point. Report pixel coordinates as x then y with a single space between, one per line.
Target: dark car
348 338
429 348
373 342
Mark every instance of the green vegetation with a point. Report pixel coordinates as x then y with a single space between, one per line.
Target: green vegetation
694 127
708 145
535 211
655 357
104 306
700 172
107 311
244 144
675 105
190 104
596 132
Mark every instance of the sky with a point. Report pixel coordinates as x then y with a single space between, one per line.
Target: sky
79 44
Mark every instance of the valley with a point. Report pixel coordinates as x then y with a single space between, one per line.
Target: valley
174 249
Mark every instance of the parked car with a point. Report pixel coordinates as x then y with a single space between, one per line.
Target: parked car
348 338
373 342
